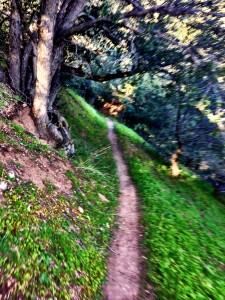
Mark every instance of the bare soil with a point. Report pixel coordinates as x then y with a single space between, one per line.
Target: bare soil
124 266
33 167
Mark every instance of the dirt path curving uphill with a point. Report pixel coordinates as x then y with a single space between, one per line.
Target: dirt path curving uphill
124 266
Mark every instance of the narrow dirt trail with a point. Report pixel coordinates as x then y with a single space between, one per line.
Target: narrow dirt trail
124 266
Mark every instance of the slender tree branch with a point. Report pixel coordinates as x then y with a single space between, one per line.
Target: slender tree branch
110 36
83 48
173 11
107 31
124 24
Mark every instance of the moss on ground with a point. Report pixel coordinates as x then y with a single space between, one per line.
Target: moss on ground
183 227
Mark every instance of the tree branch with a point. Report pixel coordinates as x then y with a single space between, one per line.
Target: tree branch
123 24
89 24
78 72
173 11
62 11
66 31
110 36
82 27
72 11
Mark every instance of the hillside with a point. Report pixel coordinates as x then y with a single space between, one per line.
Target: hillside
57 214
183 227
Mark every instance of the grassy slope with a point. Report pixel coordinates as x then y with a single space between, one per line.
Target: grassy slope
52 246
55 246
184 227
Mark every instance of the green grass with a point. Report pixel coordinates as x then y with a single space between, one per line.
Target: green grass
15 135
53 245
7 97
183 227
88 128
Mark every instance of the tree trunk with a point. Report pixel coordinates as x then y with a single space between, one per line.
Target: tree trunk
44 65
175 171
24 67
55 86
15 45
55 71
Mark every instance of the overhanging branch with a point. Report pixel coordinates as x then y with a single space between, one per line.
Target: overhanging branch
78 72
82 27
137 12
173 11
90 24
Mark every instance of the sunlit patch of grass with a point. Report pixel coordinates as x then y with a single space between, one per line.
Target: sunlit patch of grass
184 227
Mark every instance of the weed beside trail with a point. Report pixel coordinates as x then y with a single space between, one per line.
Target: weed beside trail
183 226
53 244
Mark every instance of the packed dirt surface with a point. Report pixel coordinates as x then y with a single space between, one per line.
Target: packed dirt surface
124 266
23 118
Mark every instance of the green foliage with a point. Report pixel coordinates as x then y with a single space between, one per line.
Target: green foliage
170 112
183 226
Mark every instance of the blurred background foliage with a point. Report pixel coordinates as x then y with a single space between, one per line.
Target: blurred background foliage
174 91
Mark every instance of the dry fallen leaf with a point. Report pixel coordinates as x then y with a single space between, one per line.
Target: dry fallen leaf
103 198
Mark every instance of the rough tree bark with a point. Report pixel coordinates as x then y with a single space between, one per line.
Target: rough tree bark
24 66
49 58
15 46
44 65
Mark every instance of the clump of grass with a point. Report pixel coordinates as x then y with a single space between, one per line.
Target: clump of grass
184 227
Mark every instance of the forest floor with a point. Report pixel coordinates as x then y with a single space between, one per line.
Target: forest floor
124 266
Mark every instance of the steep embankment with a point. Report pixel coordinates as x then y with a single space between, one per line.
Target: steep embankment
55 215
183 225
